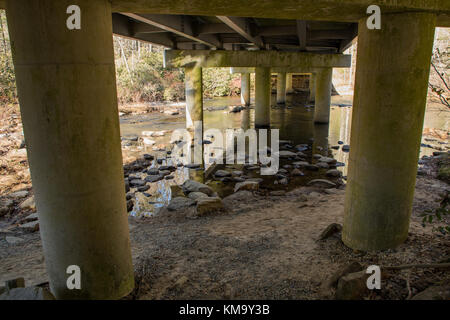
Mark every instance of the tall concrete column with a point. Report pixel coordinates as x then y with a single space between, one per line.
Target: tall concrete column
194 109
323 95
68 101
245 89
281 88
312 87
262 97
388 110
289 88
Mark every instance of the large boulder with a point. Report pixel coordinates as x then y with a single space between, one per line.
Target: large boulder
179 203
197 195
434 293
193 186
208 205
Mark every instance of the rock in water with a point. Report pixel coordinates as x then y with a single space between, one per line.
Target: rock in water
208 205
180 203
194 186
197 195
246 185
322 183
222 173
333 173
30 226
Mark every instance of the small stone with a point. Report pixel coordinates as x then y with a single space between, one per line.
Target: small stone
192 166
300 163
30 226
192 186
322 183
334 173
317 156
237 173
312 167
222 173
330 230
322 165
297 173
30 217
28 204
346 148
340 142
327 160
153 171
246 185
180 203
352 286
137 182
286 154
130 205
197 195
153 178
169 177
143 188
19 194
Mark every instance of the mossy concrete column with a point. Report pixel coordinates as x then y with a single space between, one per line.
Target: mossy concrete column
281 88
245 89
323 95
262 97
194 110
68 101
388 110
312 87
289 88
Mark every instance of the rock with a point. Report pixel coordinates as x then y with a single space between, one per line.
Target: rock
15 283
330 230
143 188
246 185
30 226
237 173
153 171
194 186
346 148
259 180
277 193
434 293
192 166
137 183
28 204
208 205
322 183
148 156
153 178
352 286
239 196
197 195
322 165
286 154
334 173
297 173
6 205
30 217
300 163
13 240
130 138
169 177
312 167
340 142
29 293
167 168
335 147
317 156
164 173
130 205
222 173
180 203
171 112
332 282
235 109
127 186
19 194
327 160
176 191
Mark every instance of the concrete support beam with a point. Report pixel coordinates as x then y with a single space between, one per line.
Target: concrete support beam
275 70
68 101
312 87
388 111
242 27
323 86
194 109
262 97
245 89
258 58
281 88
289 88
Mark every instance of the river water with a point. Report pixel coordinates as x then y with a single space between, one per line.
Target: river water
294 121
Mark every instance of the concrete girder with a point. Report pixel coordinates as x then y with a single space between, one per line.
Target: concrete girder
259 58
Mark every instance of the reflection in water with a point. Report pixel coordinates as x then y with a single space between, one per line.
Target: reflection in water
294 122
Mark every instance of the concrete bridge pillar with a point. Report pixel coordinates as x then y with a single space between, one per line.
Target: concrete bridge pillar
281 88
245 89
194 109
312 87
323 95
68 101
289 89
388 110
262 97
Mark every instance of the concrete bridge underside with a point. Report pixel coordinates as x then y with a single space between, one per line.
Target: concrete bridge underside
68 100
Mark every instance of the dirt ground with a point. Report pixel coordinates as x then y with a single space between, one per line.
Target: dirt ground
260 247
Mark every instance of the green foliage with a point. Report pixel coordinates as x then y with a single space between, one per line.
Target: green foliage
218 82
8 92
438 215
